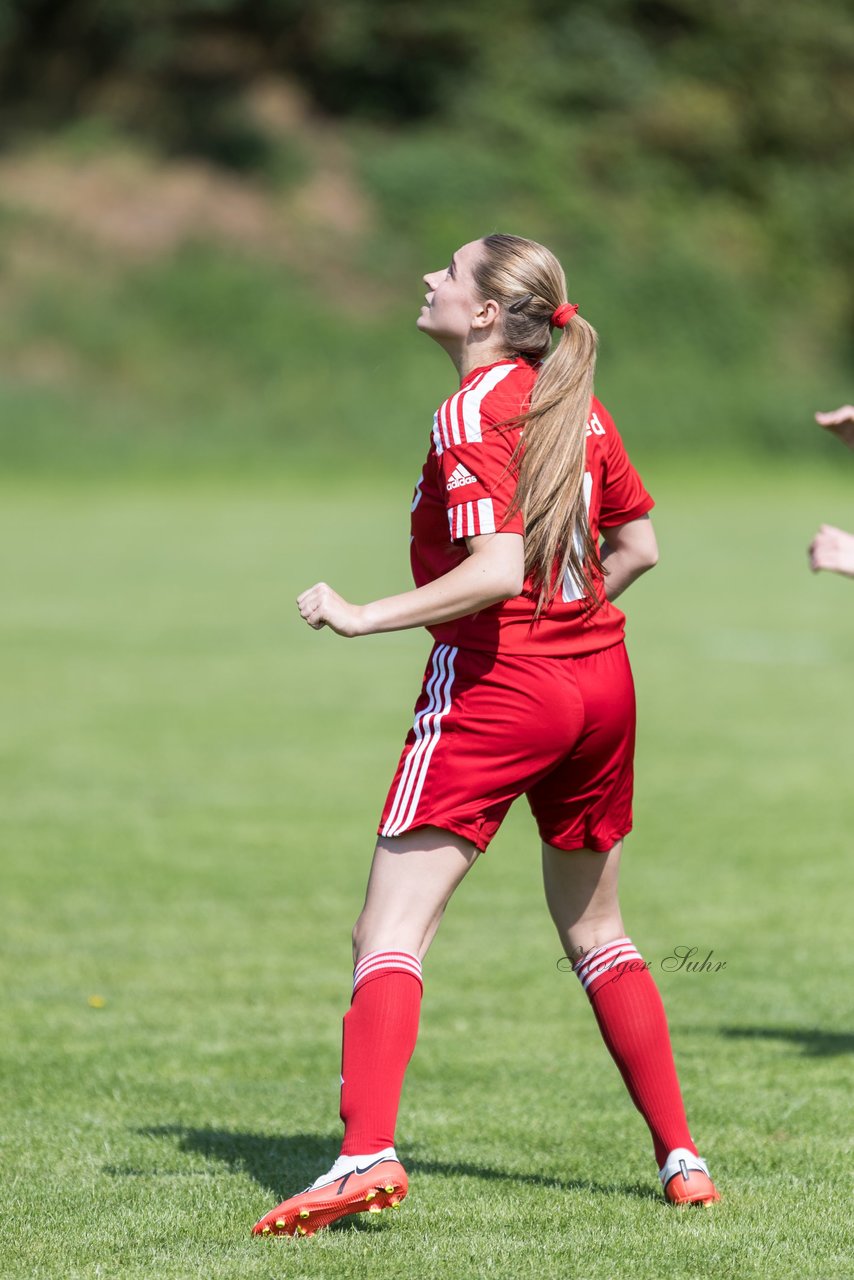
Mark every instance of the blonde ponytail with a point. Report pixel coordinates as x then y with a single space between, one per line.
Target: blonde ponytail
527 281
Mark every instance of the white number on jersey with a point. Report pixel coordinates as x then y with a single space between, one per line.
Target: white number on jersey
573 590
417 496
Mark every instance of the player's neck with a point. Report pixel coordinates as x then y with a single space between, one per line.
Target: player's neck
477 355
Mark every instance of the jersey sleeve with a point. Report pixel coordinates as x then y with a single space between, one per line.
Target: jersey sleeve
624 497
477 479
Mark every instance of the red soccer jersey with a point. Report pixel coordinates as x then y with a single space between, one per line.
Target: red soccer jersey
466 488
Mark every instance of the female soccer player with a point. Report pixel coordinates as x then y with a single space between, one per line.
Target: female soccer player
528 690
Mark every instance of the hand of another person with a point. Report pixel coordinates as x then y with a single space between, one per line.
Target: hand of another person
840 422
832 549
320 606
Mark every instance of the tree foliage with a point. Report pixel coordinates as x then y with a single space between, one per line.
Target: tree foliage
711 84
695 159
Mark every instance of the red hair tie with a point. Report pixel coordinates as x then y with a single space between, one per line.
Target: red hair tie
562 315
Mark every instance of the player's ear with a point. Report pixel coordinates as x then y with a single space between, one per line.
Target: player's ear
486 314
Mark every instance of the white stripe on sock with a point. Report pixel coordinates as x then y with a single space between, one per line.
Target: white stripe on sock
386 961
606 958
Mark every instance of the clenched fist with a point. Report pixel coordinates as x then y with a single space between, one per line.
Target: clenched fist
320 606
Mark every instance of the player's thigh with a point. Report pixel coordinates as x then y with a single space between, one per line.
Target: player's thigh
412 879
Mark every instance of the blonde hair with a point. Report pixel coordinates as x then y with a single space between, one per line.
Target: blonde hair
528 283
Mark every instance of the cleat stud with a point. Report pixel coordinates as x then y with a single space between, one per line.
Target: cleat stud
389 1188
394 1202
369 1195
279 1223
374 1208
302 1230
266 1229
304 1213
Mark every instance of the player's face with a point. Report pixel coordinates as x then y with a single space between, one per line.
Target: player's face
452 300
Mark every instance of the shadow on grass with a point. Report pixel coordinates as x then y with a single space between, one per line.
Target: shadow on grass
813 1042
285 1164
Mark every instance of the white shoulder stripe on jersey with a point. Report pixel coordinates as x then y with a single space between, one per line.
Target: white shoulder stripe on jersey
428 730
453 422
475 396
456 411
464 407
437 437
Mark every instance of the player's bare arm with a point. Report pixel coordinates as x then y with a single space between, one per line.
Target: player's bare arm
628 550
840 422
494 570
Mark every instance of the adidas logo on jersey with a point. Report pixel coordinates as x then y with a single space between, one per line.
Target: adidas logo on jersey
459 477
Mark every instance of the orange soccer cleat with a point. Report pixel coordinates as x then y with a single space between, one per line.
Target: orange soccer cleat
354 1184
685 1178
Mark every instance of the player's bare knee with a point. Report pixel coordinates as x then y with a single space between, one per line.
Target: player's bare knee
587 935
358 937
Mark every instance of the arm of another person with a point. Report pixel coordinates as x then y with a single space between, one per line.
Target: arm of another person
840 422
494 570
627 551
832 549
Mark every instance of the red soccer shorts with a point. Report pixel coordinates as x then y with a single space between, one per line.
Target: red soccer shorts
489 728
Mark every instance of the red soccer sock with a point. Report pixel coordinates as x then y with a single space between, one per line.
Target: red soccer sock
631 1018
380 1030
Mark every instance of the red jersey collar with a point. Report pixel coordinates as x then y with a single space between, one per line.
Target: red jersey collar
484 368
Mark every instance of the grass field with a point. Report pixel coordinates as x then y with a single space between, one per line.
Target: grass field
191 780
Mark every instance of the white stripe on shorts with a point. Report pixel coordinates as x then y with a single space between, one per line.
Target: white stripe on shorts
436 674
428 730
